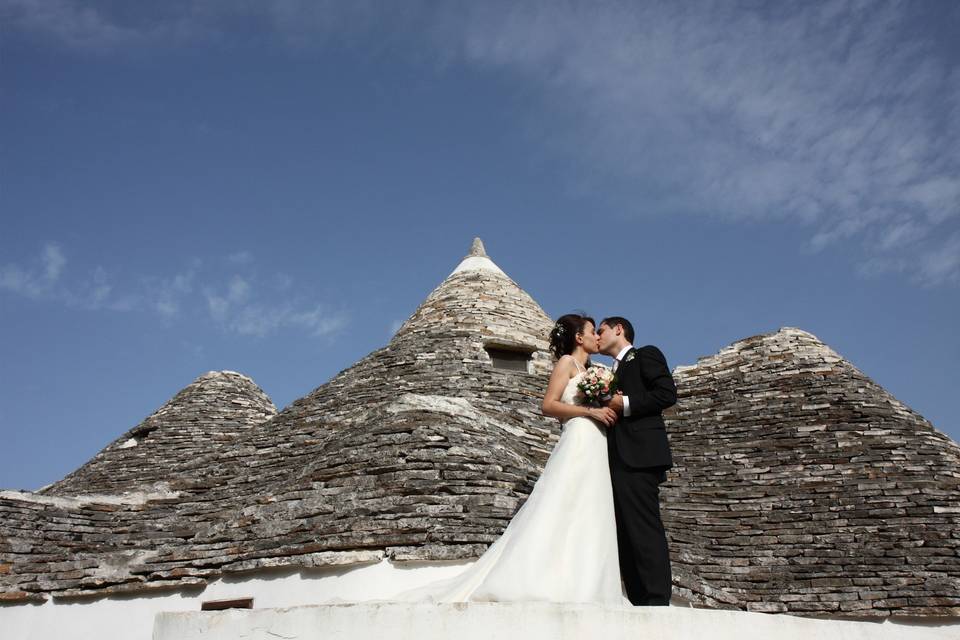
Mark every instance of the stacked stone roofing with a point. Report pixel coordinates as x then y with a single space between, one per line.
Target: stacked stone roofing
800 485
422 450
216 409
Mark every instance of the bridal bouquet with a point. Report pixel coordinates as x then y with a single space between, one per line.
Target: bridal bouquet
598 385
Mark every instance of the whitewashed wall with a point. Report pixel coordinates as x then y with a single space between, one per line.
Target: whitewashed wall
527 621
132 618
285 603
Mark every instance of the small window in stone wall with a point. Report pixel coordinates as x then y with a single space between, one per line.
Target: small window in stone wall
220 605
509 359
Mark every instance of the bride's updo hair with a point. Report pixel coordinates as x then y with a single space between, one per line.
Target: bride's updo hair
563 337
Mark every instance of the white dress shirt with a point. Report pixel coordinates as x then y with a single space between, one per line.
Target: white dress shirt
616 363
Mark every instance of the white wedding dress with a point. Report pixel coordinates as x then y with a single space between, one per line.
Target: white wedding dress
561 546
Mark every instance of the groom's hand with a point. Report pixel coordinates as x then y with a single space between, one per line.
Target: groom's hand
616 403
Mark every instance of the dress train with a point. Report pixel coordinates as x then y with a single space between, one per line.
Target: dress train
561 546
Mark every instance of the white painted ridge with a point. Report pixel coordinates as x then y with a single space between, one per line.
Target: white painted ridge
132 497
477 263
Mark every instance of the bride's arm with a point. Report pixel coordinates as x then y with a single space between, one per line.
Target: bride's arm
555 409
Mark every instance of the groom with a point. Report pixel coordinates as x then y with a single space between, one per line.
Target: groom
639 459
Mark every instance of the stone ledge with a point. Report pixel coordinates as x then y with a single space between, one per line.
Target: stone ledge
525 621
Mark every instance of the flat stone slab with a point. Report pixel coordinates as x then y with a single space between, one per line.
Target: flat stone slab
526 621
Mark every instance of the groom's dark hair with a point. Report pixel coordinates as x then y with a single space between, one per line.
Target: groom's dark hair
613 321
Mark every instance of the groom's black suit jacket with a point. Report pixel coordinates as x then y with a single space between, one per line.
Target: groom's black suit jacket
641 437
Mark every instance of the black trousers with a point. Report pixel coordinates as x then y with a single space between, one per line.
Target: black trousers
642 541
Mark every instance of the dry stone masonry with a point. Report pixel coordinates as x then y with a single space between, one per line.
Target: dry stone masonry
801 486
209 414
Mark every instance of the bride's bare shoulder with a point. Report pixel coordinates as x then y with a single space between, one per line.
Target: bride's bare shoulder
565 366
564 363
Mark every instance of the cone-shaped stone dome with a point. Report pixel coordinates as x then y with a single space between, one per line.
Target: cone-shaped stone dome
478 301
801 485
426 447
207 414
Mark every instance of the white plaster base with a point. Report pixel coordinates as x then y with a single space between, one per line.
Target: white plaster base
285 605
132 617
523 621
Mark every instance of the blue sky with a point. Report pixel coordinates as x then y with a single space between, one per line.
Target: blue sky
273 187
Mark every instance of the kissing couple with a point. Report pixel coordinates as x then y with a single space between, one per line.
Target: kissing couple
590 531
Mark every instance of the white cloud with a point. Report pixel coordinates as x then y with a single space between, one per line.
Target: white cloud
239 290
103 25
94 292
14 279
100 287
240 258
236 305
260 320
38 281
900 234
218 306
53 262
241 310
834 114
166 308
943 263
72 23
162 295
831 114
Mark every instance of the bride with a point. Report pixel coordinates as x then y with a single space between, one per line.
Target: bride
561 546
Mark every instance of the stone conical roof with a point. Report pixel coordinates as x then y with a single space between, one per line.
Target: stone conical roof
803 486
478 300
424 448
206 415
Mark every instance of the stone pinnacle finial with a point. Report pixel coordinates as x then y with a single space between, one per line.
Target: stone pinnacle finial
476 249
477 260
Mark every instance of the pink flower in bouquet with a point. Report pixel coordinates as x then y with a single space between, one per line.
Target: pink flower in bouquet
597 385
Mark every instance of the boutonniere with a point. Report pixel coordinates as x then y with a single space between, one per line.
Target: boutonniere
630 356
